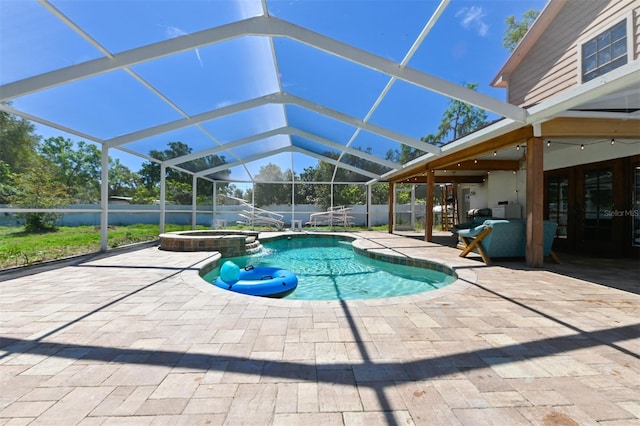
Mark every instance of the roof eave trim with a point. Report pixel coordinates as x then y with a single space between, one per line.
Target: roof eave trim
548 14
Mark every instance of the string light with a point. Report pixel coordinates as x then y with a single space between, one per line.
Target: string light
495 153
611 141
518 147
475 161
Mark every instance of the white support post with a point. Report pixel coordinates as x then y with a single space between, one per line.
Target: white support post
293 202
331 192
368 212
215 204
104 199
163 194
413 206
194 201
253 201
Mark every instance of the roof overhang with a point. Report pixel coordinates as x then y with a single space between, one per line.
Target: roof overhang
553 118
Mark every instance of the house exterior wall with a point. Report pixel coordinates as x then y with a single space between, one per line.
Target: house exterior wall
571 156
553 63
500 186
506 186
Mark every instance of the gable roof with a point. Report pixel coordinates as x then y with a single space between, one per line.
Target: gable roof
537 28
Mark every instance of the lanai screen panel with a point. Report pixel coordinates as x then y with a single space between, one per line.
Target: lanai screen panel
213 76
290 82
386 28
244 124
192 136
31 38
332 82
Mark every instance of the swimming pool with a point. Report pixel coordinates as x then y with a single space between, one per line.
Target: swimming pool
329 268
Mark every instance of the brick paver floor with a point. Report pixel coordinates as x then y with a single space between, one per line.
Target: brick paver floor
137 338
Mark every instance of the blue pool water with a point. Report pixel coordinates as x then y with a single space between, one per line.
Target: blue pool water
329 269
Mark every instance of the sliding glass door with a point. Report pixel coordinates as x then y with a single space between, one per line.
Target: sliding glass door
598 209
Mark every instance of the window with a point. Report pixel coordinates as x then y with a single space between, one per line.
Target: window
605 52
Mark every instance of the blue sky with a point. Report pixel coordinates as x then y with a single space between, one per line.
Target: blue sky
465 46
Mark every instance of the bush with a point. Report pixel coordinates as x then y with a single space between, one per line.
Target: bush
37 222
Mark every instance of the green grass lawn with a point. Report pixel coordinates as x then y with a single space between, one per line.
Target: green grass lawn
19 248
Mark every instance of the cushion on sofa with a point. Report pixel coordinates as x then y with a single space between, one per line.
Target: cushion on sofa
508 238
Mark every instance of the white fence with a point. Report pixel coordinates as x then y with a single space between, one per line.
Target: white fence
125 214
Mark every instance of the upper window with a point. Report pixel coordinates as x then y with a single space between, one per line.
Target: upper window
605 52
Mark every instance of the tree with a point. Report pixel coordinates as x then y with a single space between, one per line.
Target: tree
122 181
7 185
516 30
407 153
459 119
39 188
272 193
17 142
150 172
78 167
17 152
380 193
310 193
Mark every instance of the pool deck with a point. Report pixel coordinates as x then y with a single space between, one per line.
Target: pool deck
137 338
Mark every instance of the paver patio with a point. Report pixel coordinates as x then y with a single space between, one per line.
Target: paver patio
137 338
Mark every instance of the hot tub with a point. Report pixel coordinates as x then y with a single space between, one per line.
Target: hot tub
228 243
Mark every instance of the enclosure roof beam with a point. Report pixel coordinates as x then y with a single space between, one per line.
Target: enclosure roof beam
285 130
279 98
337 146
336 163
259 26
255 157
190 121
227 146
288 149
288 98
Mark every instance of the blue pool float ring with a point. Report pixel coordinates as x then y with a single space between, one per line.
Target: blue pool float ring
257 281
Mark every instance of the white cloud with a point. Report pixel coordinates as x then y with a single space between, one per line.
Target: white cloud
173 32
472 18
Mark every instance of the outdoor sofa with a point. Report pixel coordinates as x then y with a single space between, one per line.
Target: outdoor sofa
499 238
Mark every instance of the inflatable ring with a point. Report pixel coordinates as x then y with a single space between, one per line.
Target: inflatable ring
260 281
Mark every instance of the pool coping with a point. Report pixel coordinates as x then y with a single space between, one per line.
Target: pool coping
365 246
